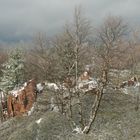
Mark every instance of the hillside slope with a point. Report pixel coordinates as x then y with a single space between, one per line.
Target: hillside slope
117 119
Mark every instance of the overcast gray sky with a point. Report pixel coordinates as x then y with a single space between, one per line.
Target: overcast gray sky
21 19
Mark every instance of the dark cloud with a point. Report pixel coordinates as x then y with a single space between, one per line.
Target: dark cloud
21 19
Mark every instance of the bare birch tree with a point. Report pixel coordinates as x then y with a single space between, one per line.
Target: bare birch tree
110 36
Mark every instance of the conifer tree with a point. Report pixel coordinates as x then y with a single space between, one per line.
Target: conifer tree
13 71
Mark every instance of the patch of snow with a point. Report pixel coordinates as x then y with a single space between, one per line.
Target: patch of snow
92 84
88 84
16 92
39 87
85 73
31 111
52 86
25 84
30 80
63 87
56 109
39 121
77 130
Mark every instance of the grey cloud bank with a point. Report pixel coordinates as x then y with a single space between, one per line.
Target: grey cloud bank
21 19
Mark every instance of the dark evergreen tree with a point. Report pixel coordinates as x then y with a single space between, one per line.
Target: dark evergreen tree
13 71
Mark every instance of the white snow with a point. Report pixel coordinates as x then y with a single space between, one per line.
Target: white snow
77 130
39 87
16 92
39 121
132 90
31 111
25 84
52 86
90 84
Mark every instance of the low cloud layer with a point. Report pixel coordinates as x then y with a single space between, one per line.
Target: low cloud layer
21 19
